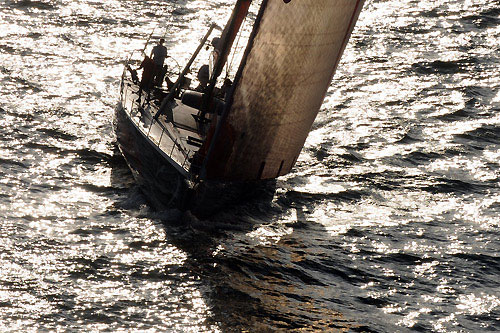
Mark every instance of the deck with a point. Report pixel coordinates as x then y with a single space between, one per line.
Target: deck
176 141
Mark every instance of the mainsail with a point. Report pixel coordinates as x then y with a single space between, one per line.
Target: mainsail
282 80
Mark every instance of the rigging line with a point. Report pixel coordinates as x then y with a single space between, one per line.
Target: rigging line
169 24
230 64
143 51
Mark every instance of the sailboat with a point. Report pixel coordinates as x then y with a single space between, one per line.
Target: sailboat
189 148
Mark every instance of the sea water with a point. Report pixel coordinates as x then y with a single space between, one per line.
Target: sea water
388 223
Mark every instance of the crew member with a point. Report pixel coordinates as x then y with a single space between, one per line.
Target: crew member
148 67
158 54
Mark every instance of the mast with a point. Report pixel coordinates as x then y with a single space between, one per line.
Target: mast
223 48
230 32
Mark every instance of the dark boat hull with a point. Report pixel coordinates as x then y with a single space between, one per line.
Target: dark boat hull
166 188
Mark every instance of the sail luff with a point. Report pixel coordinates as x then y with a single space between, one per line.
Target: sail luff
213 140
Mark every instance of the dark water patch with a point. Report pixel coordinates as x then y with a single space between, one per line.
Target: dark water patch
486 19
340 106
354 232
352 157
357 146
65 301
412 29
91 156
408 139
152 14
433 13
490 322
5 161
96 314
495 206
303 277
295 198
483 261
480 92
321 152
83 22
397 102
421 157
487 133
98 269
339 268
163 273
27 285
363 42
378 302
58 134
376 60
31 4
446 185
253 268
333 162
43 147
102 190
138 245
44 188
84 232
385 181
181 11
8 50
455 115
363 329
4 70
31 218
456 151
28 85
34 35
4 304
388 180
443 67
404 258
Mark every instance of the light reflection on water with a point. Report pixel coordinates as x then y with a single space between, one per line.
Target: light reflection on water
389 221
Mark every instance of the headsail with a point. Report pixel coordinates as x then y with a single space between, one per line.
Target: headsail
290 60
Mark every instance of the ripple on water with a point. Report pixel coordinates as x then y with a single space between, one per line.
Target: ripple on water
389 221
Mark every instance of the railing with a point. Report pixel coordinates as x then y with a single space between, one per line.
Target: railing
155 123
161 140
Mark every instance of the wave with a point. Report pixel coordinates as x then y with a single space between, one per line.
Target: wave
457 186
5 161
485 19
444 66
29 4
489 134
292 197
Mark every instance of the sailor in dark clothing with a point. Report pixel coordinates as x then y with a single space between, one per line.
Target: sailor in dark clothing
158 54
203 77
226 87
147 66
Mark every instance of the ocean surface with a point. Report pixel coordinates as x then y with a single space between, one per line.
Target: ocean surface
390 221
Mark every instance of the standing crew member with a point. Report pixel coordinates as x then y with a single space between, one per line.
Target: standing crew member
158 54
147 66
